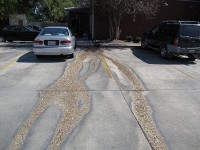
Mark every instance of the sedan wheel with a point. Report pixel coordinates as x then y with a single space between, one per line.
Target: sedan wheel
70 55
2 39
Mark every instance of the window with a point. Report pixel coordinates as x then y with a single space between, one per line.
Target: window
164 30
155 30
190 30
19 29
9 28
55 31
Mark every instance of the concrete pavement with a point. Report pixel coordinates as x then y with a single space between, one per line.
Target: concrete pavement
124 98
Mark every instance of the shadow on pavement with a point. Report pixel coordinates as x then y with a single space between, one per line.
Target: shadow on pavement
17 44
114 46
153 57
31 58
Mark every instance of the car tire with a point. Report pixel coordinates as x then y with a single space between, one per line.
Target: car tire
2 39
164 52
38 56
192 57
70 55
144 43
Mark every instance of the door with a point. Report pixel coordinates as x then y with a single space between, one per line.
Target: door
75 26
10 33
153 37
21 22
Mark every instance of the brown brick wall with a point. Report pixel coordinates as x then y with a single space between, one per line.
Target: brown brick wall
101 28
176 10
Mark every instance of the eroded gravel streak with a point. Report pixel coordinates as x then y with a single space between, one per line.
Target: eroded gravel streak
67 92
140 107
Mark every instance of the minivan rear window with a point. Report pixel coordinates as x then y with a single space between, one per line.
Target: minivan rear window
190 30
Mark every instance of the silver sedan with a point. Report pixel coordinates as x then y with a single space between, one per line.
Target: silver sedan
54 41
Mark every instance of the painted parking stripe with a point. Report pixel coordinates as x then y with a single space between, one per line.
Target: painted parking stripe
185 73
7 65
106 68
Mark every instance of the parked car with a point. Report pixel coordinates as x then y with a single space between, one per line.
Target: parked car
17 33
55 41
37 28
174 38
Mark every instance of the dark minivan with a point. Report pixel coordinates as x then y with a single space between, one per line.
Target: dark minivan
174 38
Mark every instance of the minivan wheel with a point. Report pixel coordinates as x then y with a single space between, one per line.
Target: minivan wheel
192 56
163 52
144 44
2 39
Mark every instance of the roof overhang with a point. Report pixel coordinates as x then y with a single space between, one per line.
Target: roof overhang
77 9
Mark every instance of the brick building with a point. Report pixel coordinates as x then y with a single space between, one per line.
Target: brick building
98 27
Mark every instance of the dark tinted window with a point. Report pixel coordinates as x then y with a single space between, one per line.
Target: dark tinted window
155 30
9 28
37 28
190 30
19 28
173 30
55 31
164 30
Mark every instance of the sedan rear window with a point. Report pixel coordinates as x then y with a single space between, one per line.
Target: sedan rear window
55 31
190 30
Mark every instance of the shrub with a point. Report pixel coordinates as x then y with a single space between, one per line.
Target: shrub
137 39
129 38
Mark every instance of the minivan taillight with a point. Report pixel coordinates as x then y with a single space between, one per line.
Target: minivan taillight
38 42
65 42
176 41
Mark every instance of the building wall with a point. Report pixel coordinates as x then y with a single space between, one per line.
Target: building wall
15 19
101 28
176 10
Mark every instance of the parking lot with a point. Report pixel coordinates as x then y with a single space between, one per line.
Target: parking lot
113 97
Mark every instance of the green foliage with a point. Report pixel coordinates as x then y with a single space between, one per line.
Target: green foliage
137 40
53 10
129 38
7 7
1 9
38 10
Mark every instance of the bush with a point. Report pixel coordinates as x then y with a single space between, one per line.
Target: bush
129 38
137 39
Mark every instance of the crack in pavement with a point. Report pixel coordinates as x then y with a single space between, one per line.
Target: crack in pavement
72 96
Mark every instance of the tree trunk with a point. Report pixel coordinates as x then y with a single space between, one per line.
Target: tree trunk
114 26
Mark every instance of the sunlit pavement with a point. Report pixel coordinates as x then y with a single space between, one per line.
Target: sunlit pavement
112 97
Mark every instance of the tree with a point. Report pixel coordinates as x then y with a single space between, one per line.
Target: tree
83 3
7 7
53 10
117 9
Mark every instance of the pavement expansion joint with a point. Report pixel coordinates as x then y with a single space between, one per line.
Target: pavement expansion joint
69 89
140 108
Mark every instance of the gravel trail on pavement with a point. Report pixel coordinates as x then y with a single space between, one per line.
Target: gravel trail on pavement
73 98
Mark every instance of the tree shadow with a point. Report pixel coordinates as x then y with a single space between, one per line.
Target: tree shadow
17 44
31 58
153 57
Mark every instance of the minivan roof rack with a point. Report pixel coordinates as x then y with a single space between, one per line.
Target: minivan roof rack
179 22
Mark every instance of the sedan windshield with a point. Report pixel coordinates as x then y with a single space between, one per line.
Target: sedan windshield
190 30
55 31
